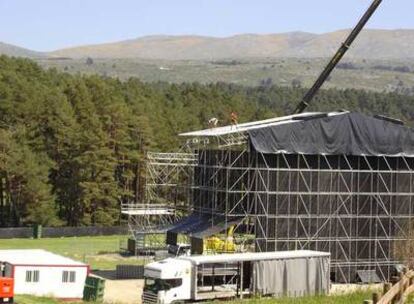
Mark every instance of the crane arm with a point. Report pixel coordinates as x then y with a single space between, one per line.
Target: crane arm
337 58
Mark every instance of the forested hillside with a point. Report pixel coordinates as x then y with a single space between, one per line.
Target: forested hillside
70 144
364 74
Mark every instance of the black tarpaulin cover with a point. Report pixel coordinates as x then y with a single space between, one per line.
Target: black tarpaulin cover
191 223
348 134
201 226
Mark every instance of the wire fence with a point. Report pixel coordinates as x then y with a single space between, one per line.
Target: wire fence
55 232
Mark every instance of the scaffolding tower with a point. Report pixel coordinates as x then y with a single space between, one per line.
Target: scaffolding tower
165 201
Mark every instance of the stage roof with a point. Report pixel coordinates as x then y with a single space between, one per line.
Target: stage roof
244 127
317 133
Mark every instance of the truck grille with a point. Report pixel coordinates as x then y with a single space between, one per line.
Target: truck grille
149 298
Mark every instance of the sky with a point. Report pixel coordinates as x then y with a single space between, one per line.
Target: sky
46 25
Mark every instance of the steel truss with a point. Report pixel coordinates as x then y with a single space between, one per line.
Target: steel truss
356 207
166 198
232 139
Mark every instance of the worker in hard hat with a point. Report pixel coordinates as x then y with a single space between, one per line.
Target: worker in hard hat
213 122
234 119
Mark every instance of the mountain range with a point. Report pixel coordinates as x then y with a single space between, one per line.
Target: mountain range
12 50
372 44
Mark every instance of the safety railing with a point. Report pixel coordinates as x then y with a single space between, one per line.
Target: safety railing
395 292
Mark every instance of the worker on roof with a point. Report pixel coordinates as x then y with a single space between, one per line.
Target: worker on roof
234 119
213 122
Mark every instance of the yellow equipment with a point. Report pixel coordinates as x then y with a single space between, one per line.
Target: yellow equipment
215 244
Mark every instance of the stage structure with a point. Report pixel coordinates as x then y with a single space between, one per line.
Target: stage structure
168 177
338 182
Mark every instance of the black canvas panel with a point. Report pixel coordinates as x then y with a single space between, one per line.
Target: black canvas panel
349 134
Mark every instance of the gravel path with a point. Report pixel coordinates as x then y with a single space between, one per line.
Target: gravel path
123 291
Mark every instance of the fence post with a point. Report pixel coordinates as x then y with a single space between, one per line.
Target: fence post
387 287
397 298
395 280
37 231
403 284
375 297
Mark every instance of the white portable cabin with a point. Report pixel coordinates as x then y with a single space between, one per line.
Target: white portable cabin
41 273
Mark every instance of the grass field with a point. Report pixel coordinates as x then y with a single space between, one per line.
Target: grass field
101 252
356 298
35 300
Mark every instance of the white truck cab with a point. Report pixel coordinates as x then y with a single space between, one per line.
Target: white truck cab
167 281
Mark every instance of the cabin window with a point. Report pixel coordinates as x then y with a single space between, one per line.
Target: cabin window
174 283
69 276
32 276
156 285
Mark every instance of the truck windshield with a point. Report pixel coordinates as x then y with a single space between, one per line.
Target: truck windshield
155 285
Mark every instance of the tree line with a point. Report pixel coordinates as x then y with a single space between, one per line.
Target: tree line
71 145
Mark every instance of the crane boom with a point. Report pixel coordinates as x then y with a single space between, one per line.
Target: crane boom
337 58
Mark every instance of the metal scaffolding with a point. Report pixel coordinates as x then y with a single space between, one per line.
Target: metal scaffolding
355 207
166 199
358 208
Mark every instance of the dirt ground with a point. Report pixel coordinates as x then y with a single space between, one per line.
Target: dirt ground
338 289
123 291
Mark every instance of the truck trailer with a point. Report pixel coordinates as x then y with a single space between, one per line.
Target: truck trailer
224 276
